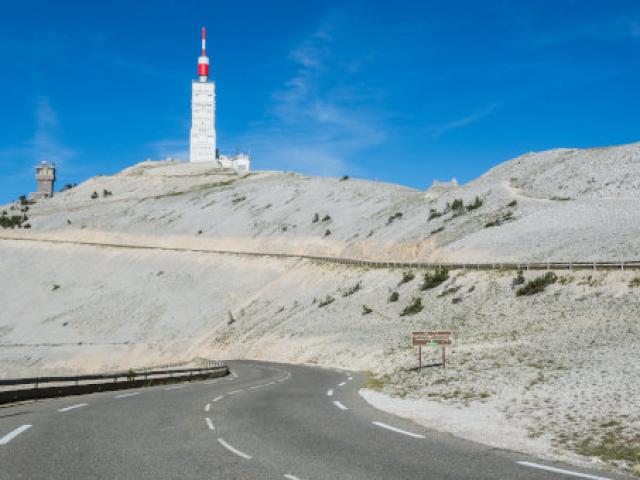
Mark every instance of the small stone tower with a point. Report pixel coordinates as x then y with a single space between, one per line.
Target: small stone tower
46 177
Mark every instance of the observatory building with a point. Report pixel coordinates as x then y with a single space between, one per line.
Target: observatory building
46 178
202 144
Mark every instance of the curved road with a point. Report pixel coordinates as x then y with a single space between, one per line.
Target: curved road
265 421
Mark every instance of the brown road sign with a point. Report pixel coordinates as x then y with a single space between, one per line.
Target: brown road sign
421 339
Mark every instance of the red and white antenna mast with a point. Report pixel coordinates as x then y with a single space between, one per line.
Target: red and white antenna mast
203 60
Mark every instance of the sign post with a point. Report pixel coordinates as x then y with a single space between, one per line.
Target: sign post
432 339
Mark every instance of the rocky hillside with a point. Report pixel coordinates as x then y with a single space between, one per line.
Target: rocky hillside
556 372
522 210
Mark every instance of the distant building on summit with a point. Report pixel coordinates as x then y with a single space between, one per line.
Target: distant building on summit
202 144
46 177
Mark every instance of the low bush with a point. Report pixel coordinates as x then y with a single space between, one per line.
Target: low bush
477 203
327 232
366 310
407 277
94 195
518 280
351 290
237 200
326 218
437 230
13 221
414 307
507 217
316 218
344 177
394 217
394 297
512 203
326 301
635 282
537 285
433 213
432 280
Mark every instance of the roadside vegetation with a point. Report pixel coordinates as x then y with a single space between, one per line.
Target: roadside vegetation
432 280
414 307
407 277
537 285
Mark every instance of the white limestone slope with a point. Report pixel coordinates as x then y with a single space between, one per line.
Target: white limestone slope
588 196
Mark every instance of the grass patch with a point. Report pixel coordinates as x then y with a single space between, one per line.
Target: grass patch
366 310
437 230
394 297
394 217
433 213
512 203
414 307
375 383
635 282
477 203
537 285
507 217
237 200
432 280
610 447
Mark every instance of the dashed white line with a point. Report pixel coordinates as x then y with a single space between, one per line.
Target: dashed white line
256 386
218 398
330 392
10 436
207 407
209 423
290 477
125 395
398 430
235 391
72 407
560 470
234 450
342 384
339 405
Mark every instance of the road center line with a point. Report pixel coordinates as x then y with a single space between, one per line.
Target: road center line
290 477
218 398
234 450
330 392
235 391
398 430
342 384
209 423
207 407
10 436
176 387
560 470
125 395
72 407
339 405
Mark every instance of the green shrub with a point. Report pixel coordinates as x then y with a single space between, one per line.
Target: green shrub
537 285
394 297
94 195
351 290
394 217
414 307
344 177
326 218
507 217
327 232
475 205
457 204
316 218
366 310
407 277
13 221
437 230
433 213
512 203
635 282
237 200
439 275
326 301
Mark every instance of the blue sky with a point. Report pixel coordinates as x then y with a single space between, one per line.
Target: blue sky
404 92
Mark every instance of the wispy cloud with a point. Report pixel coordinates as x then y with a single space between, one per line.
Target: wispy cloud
320 119
440 130
46 144
177 149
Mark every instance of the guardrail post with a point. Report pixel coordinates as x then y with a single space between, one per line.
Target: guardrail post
622 266
548 268
594 266
36 382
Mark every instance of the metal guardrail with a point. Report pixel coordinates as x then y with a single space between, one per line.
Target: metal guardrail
115 376
571 265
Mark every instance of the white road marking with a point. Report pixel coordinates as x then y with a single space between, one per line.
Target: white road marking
234 450
342 384
209 423
125 395
218 398
291 477
10 436
72 407
330 392
235 391
560 470
349 379
271 383
339 405
394 429
256 386
207 407
176 387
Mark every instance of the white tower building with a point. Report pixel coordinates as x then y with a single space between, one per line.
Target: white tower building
202 145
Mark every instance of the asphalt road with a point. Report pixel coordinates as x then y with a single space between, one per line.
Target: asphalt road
265 421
